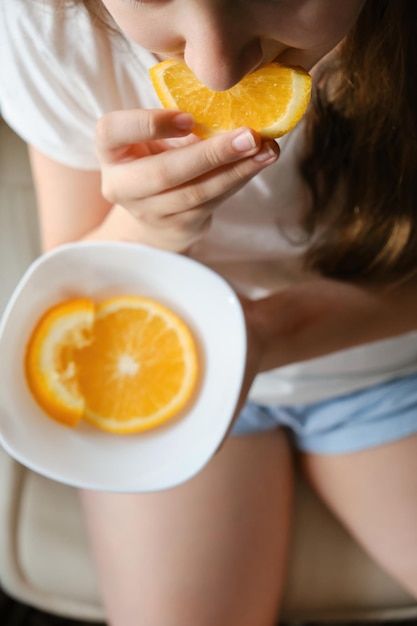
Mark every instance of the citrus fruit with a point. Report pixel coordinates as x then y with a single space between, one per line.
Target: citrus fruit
140 369
50 354
135 370
271 100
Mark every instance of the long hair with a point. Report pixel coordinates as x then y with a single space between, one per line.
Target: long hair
362 161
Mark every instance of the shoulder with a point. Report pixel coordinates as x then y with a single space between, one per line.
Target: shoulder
39 31
60 73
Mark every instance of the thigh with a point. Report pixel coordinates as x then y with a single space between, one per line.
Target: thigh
374 493
210 552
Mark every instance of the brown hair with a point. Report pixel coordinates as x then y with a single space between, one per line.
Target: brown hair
362 162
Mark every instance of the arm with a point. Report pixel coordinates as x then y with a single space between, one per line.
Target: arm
71 206
312 319
309 320
69 201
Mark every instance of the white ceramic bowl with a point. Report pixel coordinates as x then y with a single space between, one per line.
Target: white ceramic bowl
93 459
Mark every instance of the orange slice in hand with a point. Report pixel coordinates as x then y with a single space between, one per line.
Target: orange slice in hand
137 369
271 100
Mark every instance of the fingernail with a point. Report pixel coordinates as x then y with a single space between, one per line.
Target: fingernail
184 121
265 154
244 142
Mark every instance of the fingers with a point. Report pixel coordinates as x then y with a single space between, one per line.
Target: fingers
205 190
120 129
191 162
216 163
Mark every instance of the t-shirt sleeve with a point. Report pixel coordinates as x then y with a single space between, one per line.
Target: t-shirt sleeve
51 78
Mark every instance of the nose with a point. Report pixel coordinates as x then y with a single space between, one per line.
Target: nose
220 69
219 53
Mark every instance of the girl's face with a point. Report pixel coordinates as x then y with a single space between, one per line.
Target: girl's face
223 40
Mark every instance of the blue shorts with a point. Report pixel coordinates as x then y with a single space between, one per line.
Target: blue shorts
371 417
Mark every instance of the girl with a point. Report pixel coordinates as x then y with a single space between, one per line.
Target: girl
321 243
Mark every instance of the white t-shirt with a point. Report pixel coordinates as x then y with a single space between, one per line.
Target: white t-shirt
59 76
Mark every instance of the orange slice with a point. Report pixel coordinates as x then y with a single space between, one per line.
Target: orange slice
271 100
50 359
137 369
141 368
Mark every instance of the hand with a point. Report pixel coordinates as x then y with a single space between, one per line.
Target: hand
167 178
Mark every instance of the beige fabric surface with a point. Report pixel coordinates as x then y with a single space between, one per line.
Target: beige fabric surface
44 554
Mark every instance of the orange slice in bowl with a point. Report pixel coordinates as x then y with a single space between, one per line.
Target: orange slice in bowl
271 100
51 370
141 368
134 368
